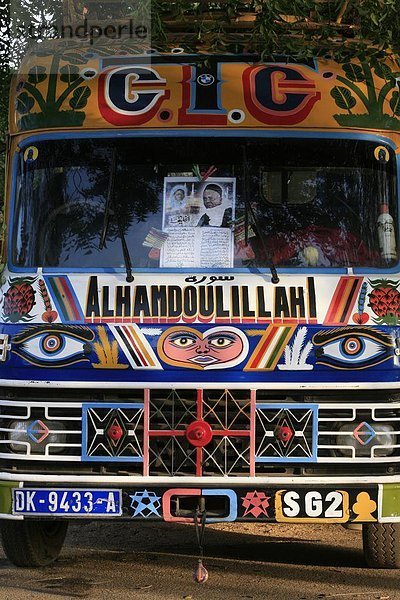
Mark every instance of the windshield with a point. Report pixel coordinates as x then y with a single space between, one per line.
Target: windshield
205 203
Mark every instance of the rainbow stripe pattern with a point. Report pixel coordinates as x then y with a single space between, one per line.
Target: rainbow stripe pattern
270 348
343 301
135 346
65 300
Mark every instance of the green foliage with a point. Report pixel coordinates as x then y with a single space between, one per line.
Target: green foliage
395 104
69 74
383 71
342 29
74 58
80 97
343 98
24 103
37 75
354 72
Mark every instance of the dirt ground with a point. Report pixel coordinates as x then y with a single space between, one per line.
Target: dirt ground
156 561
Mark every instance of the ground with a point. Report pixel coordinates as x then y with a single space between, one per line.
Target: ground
155 561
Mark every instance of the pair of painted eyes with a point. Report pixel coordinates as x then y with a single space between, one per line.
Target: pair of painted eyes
217 341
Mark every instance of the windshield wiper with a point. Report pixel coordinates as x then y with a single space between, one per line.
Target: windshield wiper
254 225
110 211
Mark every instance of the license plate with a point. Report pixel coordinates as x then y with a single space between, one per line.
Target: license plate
312 506
74 503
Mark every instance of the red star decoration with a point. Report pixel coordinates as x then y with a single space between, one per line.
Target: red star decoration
256 504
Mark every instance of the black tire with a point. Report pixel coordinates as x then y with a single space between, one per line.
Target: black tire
33 543
381 545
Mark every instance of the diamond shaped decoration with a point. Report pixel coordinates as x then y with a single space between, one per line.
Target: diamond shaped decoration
37 431
364 433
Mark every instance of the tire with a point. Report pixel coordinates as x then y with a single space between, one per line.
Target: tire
32 543
381 545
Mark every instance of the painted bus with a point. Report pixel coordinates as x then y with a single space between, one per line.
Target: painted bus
200 300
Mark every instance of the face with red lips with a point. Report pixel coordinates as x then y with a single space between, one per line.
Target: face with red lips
217 348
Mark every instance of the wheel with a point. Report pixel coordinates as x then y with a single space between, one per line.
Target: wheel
381 545
32 543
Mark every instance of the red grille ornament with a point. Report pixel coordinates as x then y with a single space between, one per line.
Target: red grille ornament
207 432
284 433
115 432
199 434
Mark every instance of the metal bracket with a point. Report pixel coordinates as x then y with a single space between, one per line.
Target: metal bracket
5 347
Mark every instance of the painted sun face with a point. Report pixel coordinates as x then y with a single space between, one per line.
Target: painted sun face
217 348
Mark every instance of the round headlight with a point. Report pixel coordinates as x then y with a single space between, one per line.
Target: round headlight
365 437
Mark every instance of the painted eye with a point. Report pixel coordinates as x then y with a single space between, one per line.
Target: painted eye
183 341
54 348
221 341
352 348
52 344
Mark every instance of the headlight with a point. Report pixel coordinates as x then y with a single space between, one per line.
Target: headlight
363 438
37 435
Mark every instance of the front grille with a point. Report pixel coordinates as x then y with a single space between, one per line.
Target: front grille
376 431
235 433
35 421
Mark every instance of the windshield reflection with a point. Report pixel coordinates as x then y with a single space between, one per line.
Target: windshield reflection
206 203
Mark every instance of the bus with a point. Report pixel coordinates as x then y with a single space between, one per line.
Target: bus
200 300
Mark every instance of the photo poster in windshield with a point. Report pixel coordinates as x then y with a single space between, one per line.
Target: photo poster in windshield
199 219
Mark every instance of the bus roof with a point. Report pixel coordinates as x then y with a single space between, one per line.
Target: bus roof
64 88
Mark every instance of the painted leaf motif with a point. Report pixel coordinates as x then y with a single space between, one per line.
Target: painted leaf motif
37 75
42 53
383 71
105 50
354 72
69 74
395 103
24 103
74 58
80 97
343 97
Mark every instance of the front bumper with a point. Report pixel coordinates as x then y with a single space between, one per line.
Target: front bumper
336 501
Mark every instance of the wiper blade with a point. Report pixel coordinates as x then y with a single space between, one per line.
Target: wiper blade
272 268
254 225
109 211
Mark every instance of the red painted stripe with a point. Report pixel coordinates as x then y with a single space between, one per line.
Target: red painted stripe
336 300
146 416
167 433
263 348
200 405
216 432
351 300
71 299
135 346
199 462
343 301
231 433
253 397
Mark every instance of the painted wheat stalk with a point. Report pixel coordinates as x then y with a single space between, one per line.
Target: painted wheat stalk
107 352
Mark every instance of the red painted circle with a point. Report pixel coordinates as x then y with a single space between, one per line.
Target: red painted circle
199 434
115 432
